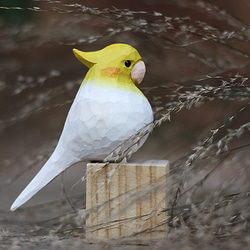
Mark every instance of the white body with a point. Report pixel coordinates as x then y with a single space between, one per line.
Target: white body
100 119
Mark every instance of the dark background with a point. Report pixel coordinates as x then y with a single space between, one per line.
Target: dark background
191 49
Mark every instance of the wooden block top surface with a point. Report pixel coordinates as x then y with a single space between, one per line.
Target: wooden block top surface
157 163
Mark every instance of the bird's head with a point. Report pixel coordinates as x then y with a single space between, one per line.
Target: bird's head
116 63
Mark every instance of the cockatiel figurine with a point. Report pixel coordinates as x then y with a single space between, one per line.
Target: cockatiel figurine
107 110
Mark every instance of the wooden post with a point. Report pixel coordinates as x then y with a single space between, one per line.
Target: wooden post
126 200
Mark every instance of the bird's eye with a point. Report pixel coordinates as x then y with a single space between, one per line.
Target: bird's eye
127 63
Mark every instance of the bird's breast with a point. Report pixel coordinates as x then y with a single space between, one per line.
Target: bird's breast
100 119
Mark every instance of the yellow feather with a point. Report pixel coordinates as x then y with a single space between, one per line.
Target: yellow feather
107 66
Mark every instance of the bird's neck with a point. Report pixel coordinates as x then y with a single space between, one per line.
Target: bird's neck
109 78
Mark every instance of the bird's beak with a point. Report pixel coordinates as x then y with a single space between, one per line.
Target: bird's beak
138 72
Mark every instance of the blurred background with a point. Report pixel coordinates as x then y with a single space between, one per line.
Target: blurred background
197 59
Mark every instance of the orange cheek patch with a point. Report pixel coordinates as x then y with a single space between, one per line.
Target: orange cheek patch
110 72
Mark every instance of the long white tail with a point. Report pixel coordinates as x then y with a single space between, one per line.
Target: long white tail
49 171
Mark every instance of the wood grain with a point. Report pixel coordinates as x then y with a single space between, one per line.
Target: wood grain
126 200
